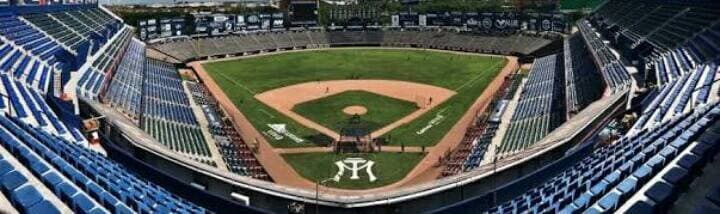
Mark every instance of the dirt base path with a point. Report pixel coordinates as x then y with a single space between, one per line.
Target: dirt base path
284 99
283 174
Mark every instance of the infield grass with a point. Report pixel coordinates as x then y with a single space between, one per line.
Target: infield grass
381 110
468 75
388 168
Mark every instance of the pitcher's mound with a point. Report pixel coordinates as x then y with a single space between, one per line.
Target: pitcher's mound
353 110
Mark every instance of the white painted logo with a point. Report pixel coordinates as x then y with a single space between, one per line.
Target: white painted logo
277 131
355 165
432 123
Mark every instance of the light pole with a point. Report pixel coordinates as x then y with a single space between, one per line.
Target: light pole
317 193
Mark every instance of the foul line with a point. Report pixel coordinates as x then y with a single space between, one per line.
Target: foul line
476 78
236 83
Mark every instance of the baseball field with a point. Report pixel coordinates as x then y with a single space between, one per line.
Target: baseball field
243 79
300 101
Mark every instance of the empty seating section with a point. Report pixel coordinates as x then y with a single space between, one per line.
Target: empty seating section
236 154
45 165
28 38
705 46
541 107
91 22
56 30
164 94
150 93
125 90
186 49
611 68
610 176
680 95
74 24
26 68
72 27
95 75
30 106
81 179
183 49
581 75
167 115
666 26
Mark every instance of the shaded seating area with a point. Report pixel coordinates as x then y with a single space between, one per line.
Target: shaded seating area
582 77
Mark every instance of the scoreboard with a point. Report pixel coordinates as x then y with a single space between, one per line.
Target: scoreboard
161 28
221 24
487 21
303 13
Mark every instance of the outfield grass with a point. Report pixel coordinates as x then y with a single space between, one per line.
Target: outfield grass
468 75
381 110
389 168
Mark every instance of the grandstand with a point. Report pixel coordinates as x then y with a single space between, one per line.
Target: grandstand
580 76
188 49
91 124
648 168
48 164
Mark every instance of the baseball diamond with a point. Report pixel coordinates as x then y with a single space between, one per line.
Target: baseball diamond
306 96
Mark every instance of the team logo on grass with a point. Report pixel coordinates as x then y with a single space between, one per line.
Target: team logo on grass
354 165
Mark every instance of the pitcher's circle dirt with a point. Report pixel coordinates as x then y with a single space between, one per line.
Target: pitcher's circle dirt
353 110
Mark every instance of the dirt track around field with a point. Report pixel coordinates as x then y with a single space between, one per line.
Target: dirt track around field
284 99
283 174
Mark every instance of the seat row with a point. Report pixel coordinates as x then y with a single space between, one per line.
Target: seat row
680 95
30 106
125 90
663 25
184 139
605 180
611 67
25 67
82 179
29 38
97 72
